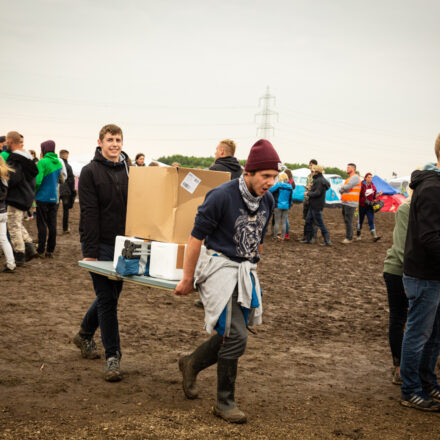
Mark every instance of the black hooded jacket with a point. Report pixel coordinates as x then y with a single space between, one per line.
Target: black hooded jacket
316 194
21 185
422 247
229 164
102 189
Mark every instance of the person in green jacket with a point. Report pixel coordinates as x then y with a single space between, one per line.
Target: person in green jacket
49 171
397 300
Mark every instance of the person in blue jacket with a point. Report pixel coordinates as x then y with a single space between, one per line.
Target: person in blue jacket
282 192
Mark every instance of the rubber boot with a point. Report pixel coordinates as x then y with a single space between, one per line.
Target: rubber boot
203 356
374 235
30 251
225 406
19 258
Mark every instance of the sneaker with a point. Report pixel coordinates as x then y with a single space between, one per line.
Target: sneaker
358 238
376 239
40 255
305 241
67 231
7 269
419 402
112 370
87 347
434 394
326 243
49 255
287 237
346 241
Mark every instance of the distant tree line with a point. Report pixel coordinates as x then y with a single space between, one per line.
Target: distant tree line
206 162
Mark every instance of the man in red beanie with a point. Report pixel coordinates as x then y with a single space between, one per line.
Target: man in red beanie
232 220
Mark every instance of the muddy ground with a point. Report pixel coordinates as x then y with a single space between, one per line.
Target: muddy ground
318 368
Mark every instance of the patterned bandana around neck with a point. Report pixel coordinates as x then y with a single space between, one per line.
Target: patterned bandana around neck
252 202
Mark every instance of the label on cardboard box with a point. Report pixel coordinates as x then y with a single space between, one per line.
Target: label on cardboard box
190 183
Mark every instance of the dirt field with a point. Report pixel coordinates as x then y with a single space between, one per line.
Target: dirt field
318 368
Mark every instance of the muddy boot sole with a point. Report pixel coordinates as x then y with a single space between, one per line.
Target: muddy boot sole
113 376
233 415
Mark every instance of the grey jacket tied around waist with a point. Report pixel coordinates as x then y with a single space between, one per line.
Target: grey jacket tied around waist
215 278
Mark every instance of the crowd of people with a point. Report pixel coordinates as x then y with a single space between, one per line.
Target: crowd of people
29 185
232 223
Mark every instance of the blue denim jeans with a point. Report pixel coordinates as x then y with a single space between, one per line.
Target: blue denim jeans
103 312
421 342
314 217
365 211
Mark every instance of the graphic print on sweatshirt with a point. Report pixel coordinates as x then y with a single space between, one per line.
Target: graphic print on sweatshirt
249 233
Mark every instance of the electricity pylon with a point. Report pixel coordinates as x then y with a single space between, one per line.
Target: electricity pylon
266 128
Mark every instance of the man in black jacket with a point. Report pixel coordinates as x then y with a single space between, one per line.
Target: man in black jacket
316 198
421 278
225 160
103 186
67 191
21 193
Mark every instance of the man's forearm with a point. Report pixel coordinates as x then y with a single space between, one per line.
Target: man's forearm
192 254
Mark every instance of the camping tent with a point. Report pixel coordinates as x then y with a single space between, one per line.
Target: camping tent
391 197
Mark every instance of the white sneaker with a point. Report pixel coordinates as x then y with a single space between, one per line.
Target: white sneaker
358 238
346 241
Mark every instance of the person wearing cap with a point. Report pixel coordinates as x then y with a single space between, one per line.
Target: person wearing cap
232 220
49 171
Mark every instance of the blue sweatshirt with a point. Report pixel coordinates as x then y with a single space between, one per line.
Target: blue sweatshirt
226 225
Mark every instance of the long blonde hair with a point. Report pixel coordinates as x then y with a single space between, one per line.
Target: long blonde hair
4 169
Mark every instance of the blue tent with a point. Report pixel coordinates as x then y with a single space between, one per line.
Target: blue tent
381 185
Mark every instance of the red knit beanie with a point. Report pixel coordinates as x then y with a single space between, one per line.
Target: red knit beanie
47 147
262 157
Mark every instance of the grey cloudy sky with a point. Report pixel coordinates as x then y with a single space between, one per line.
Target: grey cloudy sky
354 81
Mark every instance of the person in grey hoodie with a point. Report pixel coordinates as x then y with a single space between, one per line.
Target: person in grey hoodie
350 193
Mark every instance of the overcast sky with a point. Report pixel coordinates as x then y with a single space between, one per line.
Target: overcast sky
354 81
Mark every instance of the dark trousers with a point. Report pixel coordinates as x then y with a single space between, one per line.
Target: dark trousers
47 221
234 345
348 214
314 217
66 206
103 312
365 211
398 304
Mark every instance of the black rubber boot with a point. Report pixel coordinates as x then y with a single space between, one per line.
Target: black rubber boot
30 251
20 258
202 357
225 406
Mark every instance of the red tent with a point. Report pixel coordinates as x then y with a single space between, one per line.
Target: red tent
392 202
